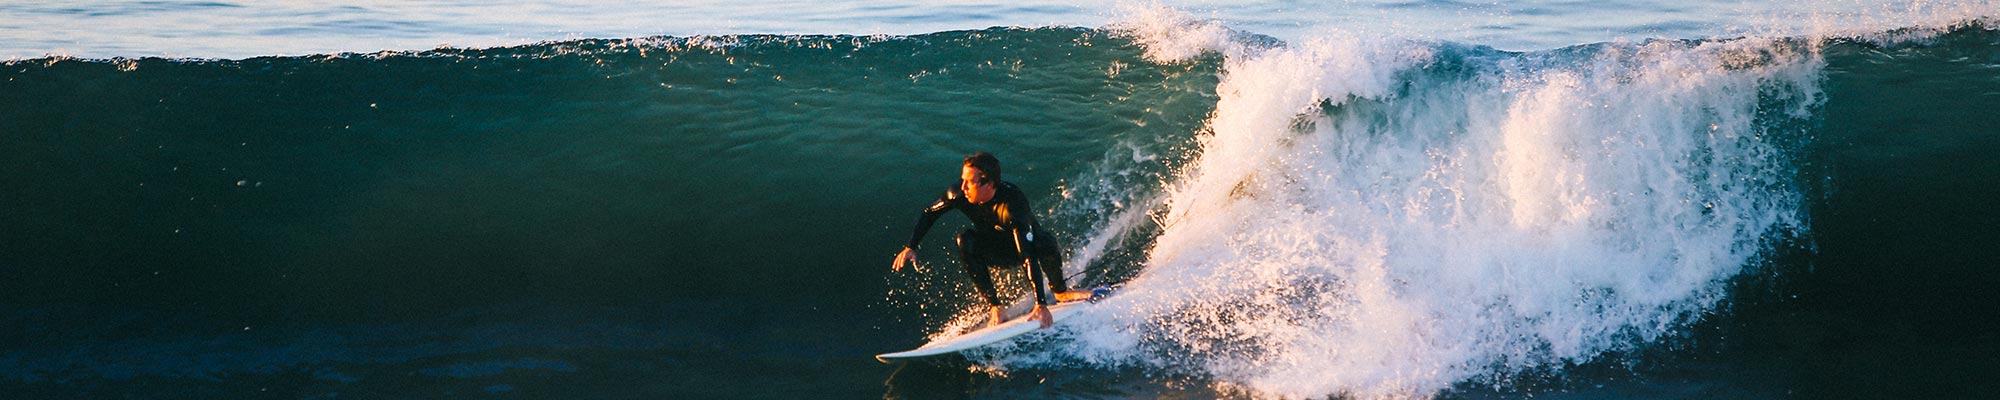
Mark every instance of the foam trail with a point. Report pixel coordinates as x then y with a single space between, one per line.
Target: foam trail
1385 218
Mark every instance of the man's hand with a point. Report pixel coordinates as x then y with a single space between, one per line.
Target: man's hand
1042 313
908 256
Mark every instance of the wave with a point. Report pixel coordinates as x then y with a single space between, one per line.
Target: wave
1348 214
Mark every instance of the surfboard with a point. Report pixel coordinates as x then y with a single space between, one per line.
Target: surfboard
1017 324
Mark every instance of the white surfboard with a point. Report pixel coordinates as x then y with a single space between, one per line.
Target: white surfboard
1017 324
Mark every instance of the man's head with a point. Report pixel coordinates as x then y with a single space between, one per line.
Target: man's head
980 174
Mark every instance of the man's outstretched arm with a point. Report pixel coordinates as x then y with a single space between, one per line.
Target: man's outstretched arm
929 217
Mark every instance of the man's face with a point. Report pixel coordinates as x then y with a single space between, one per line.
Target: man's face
978 189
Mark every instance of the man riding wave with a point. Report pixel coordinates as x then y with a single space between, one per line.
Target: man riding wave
1004 233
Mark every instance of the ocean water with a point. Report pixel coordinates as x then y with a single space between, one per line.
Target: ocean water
1363 200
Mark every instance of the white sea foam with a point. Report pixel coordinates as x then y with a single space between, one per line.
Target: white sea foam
1875 21
1385 218
1169 35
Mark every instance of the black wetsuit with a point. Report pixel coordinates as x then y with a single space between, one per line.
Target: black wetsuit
1003 233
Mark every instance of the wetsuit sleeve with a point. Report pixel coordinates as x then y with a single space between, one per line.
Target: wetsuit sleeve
1023 218
930 217
1023 242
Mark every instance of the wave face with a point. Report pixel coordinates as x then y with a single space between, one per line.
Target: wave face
564 162
1346 215
692 202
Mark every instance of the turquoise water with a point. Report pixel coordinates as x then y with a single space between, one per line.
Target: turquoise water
1293 211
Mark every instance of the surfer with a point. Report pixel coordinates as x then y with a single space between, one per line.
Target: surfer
1004 232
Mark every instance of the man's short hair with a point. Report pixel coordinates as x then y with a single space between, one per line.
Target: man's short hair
986 163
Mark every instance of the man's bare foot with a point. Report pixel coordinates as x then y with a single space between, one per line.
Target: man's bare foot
1072 295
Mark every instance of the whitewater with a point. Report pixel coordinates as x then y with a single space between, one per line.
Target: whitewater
1386 218
1391 217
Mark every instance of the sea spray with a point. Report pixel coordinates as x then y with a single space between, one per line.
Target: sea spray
1386 218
